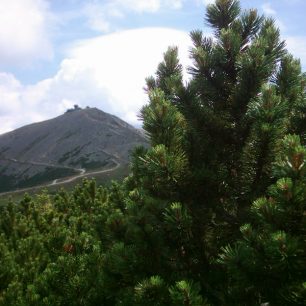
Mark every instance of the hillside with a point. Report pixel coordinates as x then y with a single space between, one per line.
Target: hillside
83 139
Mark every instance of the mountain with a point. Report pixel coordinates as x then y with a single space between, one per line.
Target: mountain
79 140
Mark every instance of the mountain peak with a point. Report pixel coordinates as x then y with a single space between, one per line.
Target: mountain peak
82 138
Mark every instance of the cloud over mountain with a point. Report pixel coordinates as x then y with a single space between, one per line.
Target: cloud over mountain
108 72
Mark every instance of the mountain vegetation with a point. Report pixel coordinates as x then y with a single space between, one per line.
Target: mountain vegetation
212 213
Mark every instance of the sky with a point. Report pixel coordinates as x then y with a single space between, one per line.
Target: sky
97 53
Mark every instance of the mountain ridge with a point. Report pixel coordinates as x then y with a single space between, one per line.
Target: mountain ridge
83 138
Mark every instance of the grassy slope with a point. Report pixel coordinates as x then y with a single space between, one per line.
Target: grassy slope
102 179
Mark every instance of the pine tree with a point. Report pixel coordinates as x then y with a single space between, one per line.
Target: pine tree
213 143
246 93
268 265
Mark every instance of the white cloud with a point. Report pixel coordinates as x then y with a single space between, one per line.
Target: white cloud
107 72
267 9
120 62
101 14
16 106
148 5
139 5
24 31
270 11
205 2
297 46
175 4
97 17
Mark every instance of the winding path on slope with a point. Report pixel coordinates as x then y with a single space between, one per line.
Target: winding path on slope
59 181
83 174
41 164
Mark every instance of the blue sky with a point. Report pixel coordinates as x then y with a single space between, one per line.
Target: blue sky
56 53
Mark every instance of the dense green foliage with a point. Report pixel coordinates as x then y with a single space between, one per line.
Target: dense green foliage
213 213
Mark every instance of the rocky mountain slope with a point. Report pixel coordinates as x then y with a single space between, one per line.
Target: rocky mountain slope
80 139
